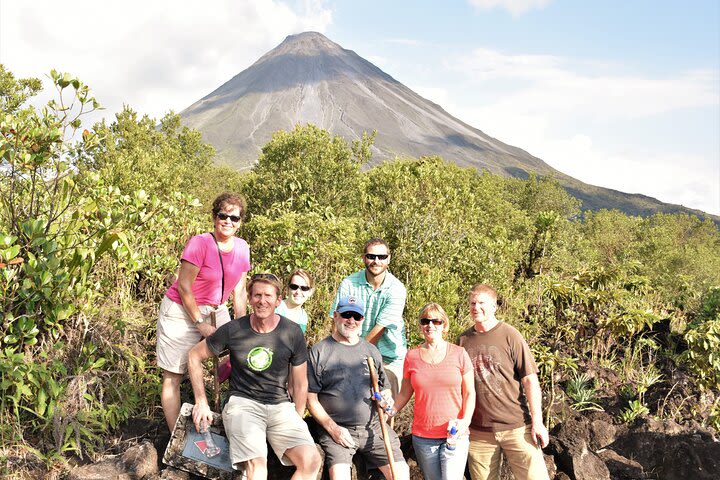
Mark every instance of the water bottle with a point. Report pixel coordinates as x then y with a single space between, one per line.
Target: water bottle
452 435
211 449
384 404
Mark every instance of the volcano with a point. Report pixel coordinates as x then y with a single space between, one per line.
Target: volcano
310 79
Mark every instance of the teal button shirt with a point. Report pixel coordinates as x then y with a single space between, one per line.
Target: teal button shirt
384 307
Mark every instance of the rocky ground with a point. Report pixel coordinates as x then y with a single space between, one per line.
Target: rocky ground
585 447
590 445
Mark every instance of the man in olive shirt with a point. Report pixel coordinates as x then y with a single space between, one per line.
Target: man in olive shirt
508 410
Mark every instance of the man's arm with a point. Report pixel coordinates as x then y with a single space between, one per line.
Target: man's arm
201 410
298 385
240 297
338 433
531 386
390 315
373 336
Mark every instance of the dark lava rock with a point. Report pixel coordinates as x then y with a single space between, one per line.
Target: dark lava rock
622 468
681 456
569 444
137 463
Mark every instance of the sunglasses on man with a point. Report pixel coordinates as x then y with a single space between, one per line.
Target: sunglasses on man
373 256
225 216
354 315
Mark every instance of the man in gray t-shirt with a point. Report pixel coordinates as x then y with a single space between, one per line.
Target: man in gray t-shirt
339 396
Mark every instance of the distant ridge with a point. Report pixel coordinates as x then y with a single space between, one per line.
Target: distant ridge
310 79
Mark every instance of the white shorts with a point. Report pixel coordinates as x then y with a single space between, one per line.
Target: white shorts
177 333
251 425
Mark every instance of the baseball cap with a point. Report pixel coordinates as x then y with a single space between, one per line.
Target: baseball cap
350 304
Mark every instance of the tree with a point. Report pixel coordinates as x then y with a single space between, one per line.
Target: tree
308 169
135 153
14 93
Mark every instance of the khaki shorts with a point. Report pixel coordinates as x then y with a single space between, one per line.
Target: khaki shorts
251 425
177 334
526 460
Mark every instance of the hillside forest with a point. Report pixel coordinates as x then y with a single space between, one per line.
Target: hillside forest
621 312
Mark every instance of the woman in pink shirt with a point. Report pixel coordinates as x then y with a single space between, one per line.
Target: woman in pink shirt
441 376
213 267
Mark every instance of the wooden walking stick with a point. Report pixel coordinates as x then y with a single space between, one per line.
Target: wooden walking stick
214 368
381 415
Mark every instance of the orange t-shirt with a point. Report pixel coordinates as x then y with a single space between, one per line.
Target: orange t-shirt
438 390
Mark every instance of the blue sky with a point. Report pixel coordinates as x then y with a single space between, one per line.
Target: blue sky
620 94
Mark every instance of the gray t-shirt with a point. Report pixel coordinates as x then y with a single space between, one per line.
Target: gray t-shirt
260 360
340 377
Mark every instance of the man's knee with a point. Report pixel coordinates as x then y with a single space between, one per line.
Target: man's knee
171 380
401 470
340 471
306 458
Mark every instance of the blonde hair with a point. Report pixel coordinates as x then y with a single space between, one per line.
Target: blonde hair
304 274
435 308
484 288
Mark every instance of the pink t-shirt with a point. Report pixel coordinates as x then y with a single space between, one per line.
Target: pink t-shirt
202 252
438 390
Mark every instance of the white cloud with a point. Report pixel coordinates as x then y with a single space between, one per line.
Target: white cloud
153 55
515 7
551 106
558 85
669 176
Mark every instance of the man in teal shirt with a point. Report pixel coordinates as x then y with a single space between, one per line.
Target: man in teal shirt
384 298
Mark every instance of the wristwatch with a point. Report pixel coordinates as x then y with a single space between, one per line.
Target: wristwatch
199 320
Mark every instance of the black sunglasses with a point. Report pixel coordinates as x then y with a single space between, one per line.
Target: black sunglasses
304 288
373 256
435 321
264 276
225 216
354 315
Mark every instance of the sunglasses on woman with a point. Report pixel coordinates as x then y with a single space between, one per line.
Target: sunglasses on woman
427 321
304 288
225 216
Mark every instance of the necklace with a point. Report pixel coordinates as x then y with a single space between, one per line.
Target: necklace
434 355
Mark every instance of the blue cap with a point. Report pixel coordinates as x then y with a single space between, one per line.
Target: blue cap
350 304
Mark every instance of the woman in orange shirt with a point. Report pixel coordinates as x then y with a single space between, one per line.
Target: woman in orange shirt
441 376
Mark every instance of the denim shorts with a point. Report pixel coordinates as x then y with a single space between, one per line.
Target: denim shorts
437 462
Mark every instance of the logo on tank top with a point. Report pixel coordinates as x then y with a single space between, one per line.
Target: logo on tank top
259 358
